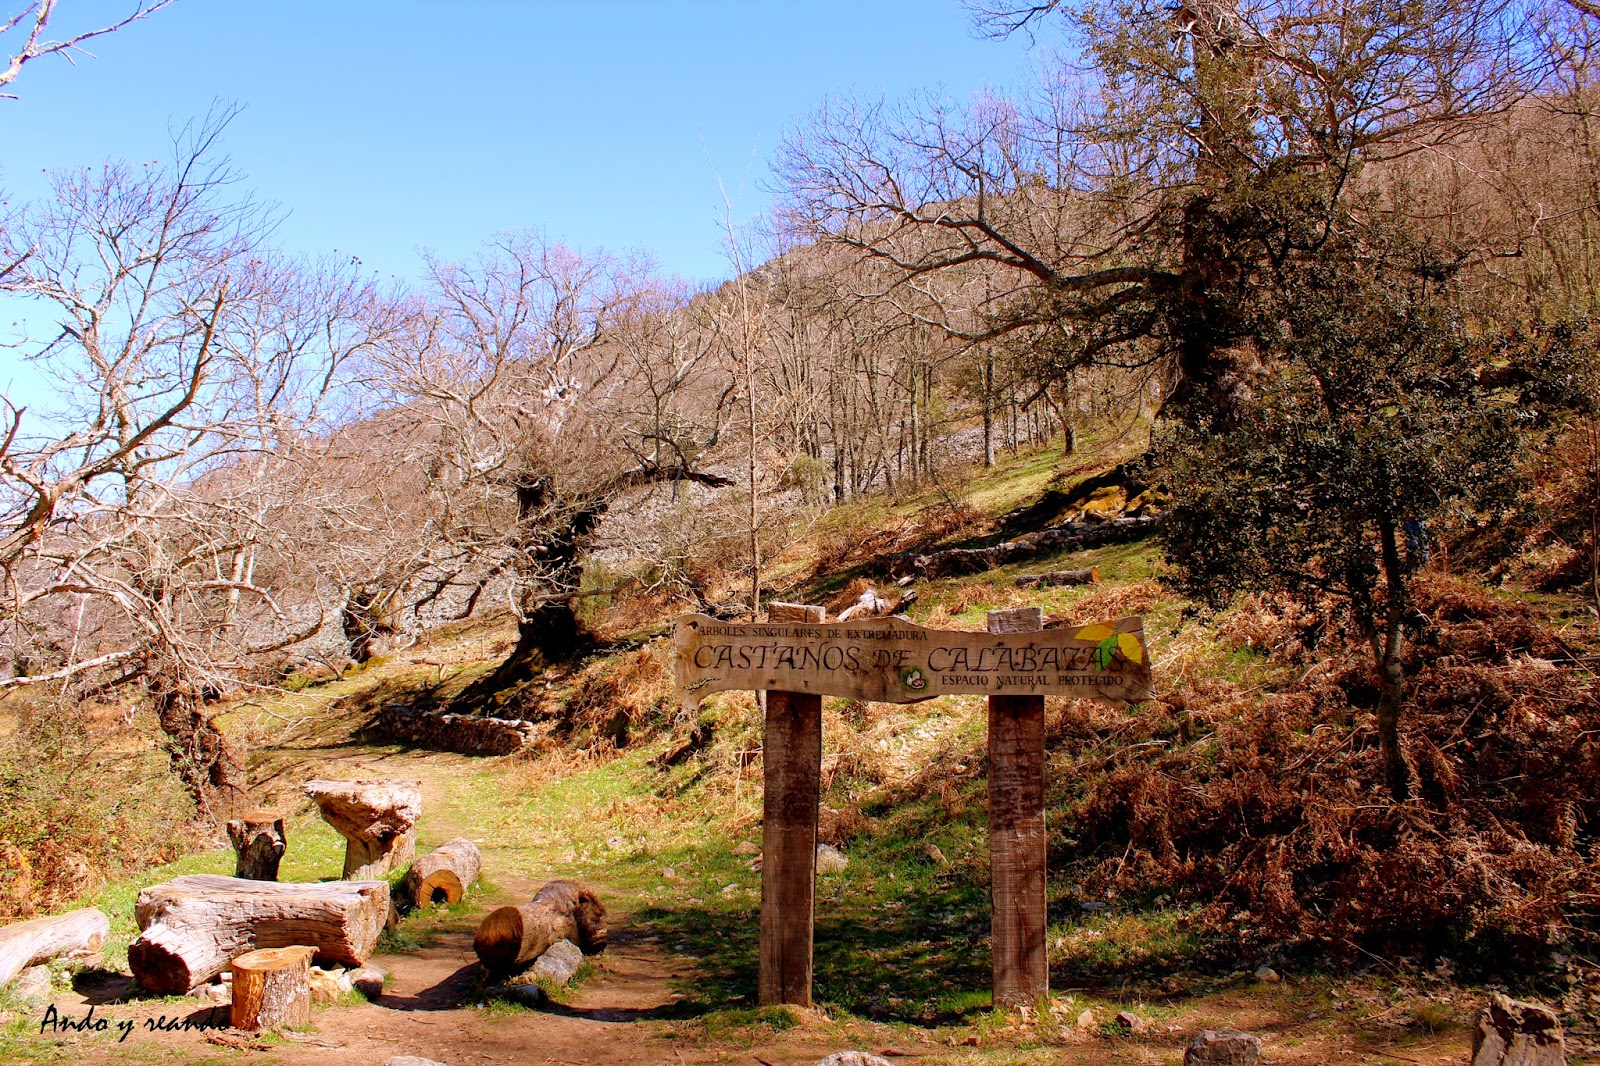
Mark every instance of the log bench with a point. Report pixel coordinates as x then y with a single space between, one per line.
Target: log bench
195 925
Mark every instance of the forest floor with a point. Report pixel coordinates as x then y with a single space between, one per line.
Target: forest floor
901 941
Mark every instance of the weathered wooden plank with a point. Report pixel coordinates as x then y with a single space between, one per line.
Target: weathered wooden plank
791 759
1021 970
895 661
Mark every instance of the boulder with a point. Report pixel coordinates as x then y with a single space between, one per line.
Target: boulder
1510 1033
1223 1047
32 986
854 1058
830 860
527 995
559 962
368 980
217 995
1131 1021
325 987
410 1060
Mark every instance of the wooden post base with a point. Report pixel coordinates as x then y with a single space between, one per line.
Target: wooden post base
791 760
1017 834
272 988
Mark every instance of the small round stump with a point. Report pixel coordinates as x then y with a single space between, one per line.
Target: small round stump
259 839
272 988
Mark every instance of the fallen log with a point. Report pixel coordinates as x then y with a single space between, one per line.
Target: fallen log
1072 535
195 925
442 875
376 819
1090 576
272 988
512 937
259 840
39 940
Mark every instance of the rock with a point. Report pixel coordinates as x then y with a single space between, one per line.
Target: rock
324 987
854 1058
1086 1019
830 860
216 995
934 855
1510 1033
368 980
745 847
616 843
669 874
1131 1021
559 961
32 986
1092 906
1223 1047
1267 975
409 1060
527 995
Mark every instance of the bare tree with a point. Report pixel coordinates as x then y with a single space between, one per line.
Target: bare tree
195 363
32 25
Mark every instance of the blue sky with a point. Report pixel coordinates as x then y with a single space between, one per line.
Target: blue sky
384 127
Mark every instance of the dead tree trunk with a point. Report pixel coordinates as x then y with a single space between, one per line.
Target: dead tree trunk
376 820
207 761
272 988
370 620
39 940
512 937
443 875
195 925
259 840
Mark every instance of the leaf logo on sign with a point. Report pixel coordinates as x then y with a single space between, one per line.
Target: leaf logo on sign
1108 642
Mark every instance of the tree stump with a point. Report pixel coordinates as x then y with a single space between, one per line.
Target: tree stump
272 988
195 925
38 940
376 818
259 839
443 875
511 937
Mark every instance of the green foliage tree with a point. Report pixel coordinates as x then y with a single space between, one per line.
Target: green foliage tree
1374 408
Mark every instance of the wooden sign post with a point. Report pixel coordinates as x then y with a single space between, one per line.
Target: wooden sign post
1016 834
796 659
791 770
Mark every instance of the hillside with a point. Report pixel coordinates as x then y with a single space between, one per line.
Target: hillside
1230 825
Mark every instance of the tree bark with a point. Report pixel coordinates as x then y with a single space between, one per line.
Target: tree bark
512 937
444 874
195 925
259 840
376 820
272 988
39 940
1387 648
207 761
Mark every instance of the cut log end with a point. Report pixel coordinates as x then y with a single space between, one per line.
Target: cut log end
272 988
443 875
512 937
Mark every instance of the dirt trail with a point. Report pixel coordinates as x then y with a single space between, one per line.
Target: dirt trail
432 1004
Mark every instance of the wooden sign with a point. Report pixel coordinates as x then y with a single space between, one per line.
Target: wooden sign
895 661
